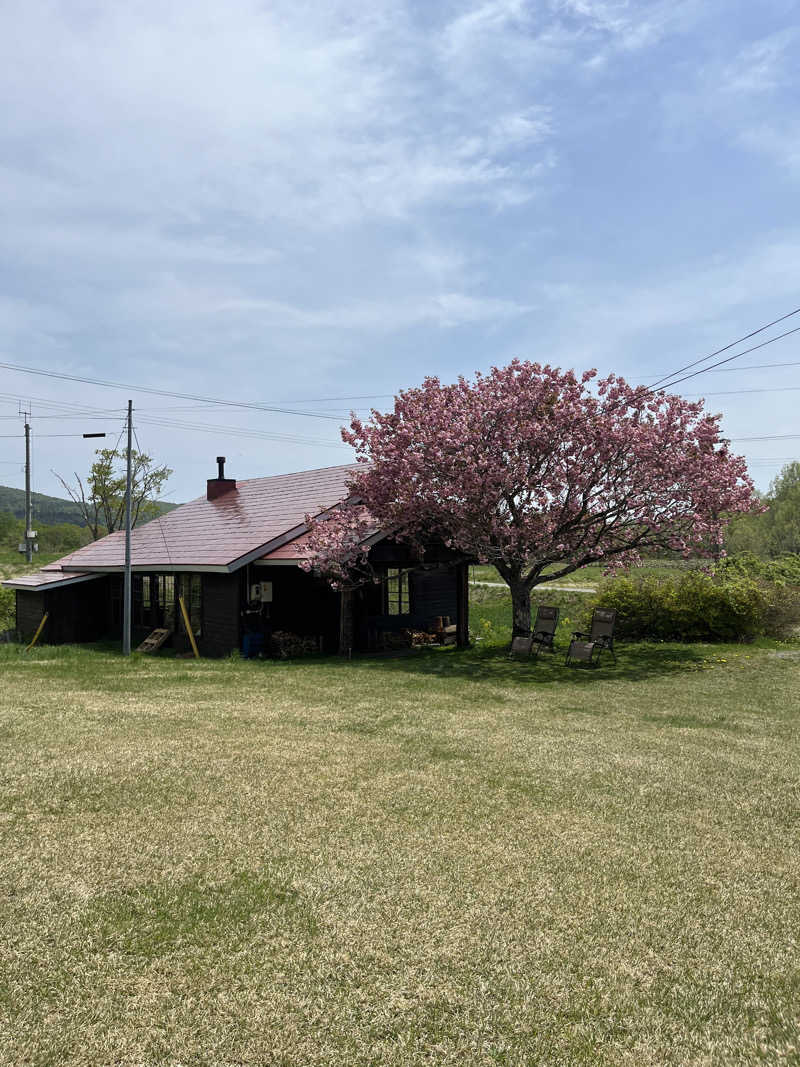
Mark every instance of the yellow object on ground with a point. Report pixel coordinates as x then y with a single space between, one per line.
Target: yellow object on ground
39 630
188 626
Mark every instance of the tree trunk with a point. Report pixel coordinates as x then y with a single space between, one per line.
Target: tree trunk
521 604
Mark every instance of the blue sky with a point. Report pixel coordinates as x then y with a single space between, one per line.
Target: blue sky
292 201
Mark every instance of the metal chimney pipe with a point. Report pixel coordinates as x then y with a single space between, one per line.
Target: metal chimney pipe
219 486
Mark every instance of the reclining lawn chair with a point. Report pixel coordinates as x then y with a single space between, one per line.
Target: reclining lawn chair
520 646
544 629
587 648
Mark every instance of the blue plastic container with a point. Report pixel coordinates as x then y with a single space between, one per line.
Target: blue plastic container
252 645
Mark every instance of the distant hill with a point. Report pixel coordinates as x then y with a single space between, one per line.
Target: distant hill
50 509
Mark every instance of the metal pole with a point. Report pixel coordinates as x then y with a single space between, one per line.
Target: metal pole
28 518
126 599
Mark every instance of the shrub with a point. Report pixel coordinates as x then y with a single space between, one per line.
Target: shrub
696 606
784 571
7 609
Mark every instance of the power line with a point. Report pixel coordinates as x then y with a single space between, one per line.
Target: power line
240 431
740 392
39 436
750 366
694 374
769 437
66 415
317 400
287 438
235 431
165 392
732 344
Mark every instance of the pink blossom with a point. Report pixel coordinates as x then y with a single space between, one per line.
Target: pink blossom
526 467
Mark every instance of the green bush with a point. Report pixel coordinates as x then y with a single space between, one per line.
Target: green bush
56 539
696 606
785 570
62 538
7 609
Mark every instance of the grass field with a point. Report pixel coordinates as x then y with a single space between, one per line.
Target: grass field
442 859
13 563
588 576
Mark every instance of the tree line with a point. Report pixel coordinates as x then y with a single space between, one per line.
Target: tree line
776 531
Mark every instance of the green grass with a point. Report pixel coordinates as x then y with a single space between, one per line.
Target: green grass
13 563
448 858
586 576
591 575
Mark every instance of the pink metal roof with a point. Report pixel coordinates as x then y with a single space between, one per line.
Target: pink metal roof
222 534
47 578
296 549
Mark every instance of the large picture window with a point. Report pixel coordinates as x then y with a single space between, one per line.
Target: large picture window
398 599
155 601
190 587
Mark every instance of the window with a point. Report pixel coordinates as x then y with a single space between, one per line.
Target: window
142 602
398 600
155 601
166 601
190 587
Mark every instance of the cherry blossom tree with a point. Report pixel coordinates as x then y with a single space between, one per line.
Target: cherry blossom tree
531 469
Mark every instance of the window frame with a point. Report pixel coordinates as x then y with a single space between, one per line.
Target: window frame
397 591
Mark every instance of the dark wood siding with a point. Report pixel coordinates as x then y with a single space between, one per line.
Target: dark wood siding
30 609
76 613
221 608
301 604
435 592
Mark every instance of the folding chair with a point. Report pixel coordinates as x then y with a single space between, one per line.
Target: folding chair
587 647
521 646
544 629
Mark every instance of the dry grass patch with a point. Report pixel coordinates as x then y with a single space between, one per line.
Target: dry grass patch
443 859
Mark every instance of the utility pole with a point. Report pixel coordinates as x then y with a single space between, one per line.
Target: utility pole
126 598
28 517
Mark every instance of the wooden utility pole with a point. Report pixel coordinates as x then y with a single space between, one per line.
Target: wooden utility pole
126 597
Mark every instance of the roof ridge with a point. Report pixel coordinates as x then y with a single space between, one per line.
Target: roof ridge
291 474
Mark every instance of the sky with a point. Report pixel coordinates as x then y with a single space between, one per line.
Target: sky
313 205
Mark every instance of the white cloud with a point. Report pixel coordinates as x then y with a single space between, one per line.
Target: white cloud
750 98
284 189
760 67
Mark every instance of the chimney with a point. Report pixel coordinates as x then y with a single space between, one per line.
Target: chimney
220 485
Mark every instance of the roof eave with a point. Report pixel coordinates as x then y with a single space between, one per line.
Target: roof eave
59 583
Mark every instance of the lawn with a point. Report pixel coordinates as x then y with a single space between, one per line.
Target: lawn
448 858
591 575
586 576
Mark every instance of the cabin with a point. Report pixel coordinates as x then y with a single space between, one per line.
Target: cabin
233 556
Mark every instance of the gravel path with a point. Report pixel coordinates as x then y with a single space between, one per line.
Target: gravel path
560 588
